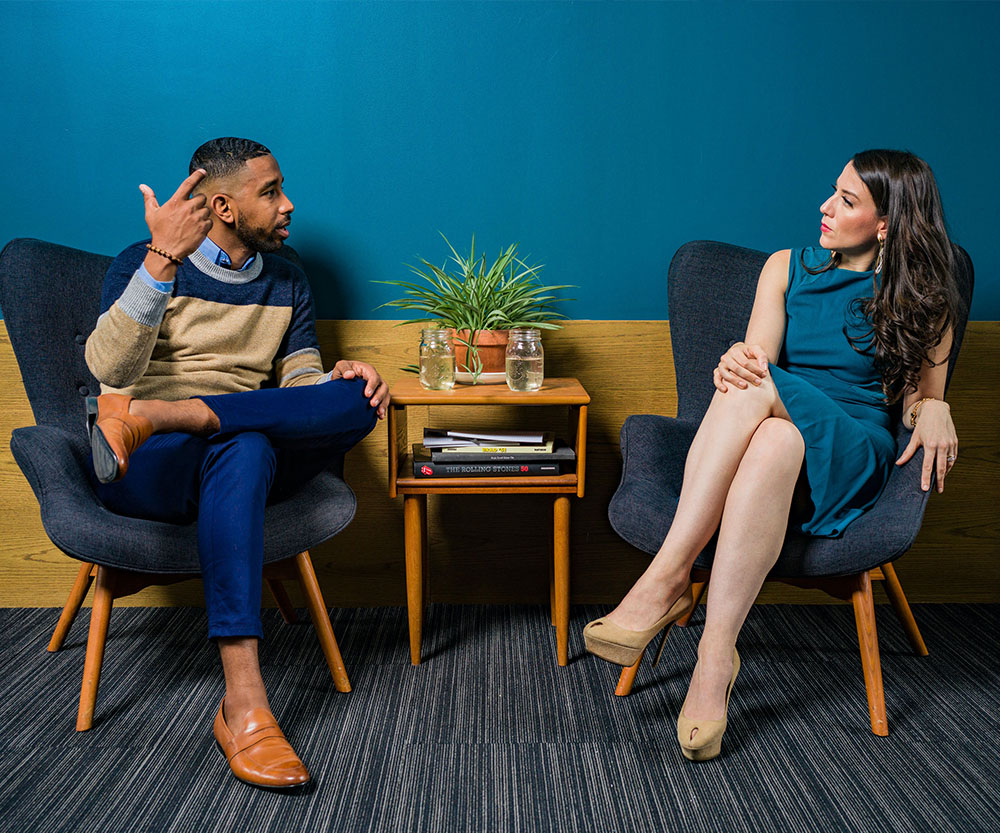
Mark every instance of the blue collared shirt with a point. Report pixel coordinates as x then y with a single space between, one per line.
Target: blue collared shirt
219 257
210 250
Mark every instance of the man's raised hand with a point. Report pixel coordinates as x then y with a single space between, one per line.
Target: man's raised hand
179 225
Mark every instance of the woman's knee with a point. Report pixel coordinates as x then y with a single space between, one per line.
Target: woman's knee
749 402
778 440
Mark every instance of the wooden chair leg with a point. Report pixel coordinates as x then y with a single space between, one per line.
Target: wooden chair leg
84 578
698 590
864 616
321 621
281 599
894 591
627 678
100 615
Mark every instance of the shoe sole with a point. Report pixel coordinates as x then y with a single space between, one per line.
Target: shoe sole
105 462
276 787
706 753
612 652
621 654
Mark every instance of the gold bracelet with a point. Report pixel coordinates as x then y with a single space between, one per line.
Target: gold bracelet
916 408
164 253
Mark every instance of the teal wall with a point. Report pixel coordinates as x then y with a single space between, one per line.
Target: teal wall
600 135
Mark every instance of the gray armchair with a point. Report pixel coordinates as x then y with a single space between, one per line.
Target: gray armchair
50 296
711 290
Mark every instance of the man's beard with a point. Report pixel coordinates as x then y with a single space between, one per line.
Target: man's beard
257 239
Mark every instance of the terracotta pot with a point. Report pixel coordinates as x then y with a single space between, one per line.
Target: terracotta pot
492 347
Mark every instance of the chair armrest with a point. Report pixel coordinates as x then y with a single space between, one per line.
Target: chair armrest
53 462
654 450
899 511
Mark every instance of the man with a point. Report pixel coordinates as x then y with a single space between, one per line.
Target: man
214 400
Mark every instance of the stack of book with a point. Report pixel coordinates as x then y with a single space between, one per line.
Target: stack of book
479 454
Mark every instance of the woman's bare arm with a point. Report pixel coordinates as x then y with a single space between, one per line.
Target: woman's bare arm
746 361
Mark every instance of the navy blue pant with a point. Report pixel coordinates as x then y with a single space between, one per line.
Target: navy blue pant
269 443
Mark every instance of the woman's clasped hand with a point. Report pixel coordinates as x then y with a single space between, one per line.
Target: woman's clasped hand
740 365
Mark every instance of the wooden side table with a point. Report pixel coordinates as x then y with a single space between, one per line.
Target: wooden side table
414 490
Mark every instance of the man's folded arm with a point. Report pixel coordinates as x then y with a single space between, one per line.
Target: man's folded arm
132 308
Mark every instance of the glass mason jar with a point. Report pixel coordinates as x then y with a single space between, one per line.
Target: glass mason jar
437 360
525 359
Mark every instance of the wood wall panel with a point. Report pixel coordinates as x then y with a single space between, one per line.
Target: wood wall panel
627 367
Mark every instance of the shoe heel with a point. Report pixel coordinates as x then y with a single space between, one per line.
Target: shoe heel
91 414
663 644
104 460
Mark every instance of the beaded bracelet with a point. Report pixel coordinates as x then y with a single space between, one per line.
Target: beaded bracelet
164 253
916 408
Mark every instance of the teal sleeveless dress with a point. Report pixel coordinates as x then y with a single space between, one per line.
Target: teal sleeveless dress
833 394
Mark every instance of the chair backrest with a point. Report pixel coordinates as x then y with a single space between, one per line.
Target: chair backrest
711 288
50 296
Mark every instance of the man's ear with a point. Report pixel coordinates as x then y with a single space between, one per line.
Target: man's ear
222 208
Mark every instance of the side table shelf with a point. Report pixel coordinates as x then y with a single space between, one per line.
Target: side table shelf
558 391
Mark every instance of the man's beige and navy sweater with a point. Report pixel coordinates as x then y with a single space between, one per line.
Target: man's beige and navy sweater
217 331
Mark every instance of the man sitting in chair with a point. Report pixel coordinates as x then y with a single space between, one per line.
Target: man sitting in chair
214 401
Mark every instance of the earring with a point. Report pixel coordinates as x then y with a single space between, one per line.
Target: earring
881 251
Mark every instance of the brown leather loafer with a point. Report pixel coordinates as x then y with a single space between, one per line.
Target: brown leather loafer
260 755
114 434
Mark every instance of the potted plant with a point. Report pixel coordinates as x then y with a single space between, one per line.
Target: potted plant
479 302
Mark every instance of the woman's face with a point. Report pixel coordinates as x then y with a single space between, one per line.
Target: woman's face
850 223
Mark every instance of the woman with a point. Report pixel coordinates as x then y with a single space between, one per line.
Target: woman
798 431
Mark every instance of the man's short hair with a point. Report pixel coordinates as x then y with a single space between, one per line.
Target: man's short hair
223 157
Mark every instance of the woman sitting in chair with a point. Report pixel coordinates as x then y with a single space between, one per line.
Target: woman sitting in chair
798 430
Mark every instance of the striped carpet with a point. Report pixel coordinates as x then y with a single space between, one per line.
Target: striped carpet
490 735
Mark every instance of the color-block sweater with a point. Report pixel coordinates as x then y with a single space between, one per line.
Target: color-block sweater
218 331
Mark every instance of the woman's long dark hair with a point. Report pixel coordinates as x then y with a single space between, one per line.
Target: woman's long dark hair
915 302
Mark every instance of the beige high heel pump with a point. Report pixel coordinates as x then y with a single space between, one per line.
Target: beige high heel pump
623 646
707 743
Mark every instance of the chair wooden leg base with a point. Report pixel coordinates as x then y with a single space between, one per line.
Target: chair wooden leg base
864 615
894 590
859 590
698 587
321 621
112 583
100 615
281 600
627 678
84 578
